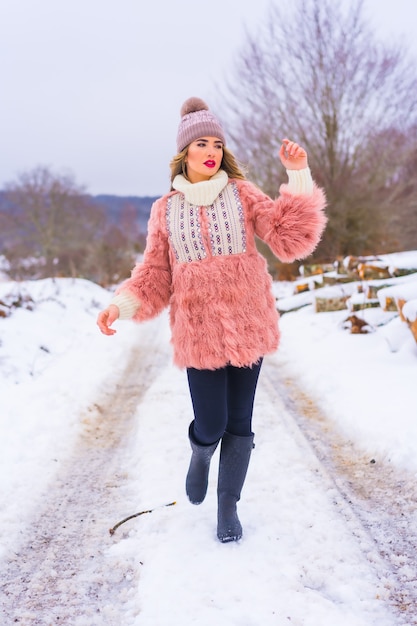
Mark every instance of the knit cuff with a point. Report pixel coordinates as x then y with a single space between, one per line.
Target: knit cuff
300 181
127 305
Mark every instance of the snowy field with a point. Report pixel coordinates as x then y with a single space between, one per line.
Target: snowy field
296 563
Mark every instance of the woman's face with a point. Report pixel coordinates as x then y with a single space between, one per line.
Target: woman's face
203 158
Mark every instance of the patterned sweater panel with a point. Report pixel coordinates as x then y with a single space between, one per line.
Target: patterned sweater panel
225 225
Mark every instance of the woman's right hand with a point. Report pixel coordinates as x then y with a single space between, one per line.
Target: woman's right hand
106 318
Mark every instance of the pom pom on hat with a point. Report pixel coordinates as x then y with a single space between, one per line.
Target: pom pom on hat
192 105
197 121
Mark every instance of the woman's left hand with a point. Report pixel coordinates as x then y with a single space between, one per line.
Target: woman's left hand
293 156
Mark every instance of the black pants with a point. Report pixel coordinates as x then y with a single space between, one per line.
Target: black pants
223 400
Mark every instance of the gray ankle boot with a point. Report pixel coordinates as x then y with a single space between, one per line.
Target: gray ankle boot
235 454
197 477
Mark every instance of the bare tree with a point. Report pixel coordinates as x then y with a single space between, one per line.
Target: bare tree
51 227
112 255
49 221
317 73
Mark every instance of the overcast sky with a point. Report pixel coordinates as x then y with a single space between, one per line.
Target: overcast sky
94 87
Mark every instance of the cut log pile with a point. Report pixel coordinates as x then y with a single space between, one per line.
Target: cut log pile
355 285
404 298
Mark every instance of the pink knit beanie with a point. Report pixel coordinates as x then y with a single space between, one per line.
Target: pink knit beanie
197 121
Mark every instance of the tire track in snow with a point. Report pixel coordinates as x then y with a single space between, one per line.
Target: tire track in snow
378 501
62 572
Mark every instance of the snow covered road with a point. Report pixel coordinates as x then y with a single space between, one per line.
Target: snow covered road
310 555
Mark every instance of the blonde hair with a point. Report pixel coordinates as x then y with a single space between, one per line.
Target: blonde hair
229 164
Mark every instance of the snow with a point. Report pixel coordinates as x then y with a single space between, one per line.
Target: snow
410 310
406 291
297 563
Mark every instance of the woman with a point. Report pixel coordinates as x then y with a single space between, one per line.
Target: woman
201 260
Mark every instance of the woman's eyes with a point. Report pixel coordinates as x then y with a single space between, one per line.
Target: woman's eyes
204 145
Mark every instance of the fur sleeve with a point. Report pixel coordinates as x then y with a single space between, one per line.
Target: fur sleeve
292 224
150 281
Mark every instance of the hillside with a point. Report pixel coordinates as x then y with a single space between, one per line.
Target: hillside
116 204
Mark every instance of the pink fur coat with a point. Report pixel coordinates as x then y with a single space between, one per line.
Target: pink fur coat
202 262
